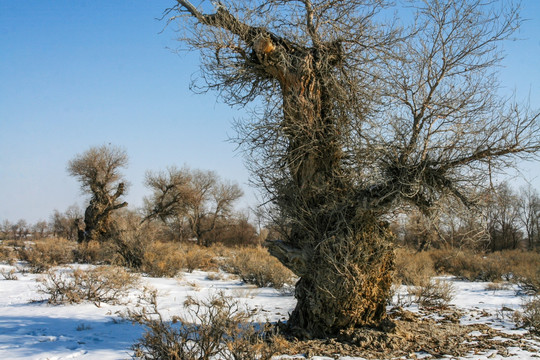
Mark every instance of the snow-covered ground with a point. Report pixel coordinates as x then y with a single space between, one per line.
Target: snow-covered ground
32 329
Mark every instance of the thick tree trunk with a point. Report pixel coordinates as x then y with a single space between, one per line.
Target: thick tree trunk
345 281
97 216
340 251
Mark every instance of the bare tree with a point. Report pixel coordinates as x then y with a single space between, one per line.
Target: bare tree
529 215
357 118
65 224
39 229
98 171
199 197
502 212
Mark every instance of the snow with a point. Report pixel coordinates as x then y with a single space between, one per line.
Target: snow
32 329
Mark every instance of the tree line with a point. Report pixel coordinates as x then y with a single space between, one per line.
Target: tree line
197 205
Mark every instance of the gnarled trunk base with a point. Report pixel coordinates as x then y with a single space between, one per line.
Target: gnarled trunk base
345 285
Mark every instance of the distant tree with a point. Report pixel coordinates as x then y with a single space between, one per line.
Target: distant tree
98 171
354 118
529 215
5 228
198 198
65 224
39 229
234 230
503 221
21 229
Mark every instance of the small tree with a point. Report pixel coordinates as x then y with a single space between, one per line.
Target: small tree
97 169
198 198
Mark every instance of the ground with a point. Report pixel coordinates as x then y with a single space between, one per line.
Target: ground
32 329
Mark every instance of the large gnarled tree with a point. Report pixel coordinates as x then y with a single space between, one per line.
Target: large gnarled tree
98 171
353 118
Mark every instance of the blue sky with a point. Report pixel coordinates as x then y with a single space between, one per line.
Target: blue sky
79 73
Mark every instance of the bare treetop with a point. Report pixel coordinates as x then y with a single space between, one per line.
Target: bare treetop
98 167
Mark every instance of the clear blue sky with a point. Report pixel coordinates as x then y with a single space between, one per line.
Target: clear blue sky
79 73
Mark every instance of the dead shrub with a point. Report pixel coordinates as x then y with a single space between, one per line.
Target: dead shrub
44 254
527 277
131 243
523 269
163 260
198 258
256 266
530 317
95 252
216 328
469 265
102 284
433 293
413 268
9 274
7 254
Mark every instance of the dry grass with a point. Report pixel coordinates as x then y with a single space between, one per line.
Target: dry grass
526 271
163 260
256 266
44 254
216 328
103 284
413 268
470 265
198 258
95 252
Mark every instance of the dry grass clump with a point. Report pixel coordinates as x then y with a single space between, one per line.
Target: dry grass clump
413 268
256 266
102 284
216 328
44 254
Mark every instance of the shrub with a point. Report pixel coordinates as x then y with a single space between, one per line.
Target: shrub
9 274
198 258
102 284
413 268
530 318
95 252
131 244
434 293
215 328
256 266
163 260
469 265
7 254
44 254
527 276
